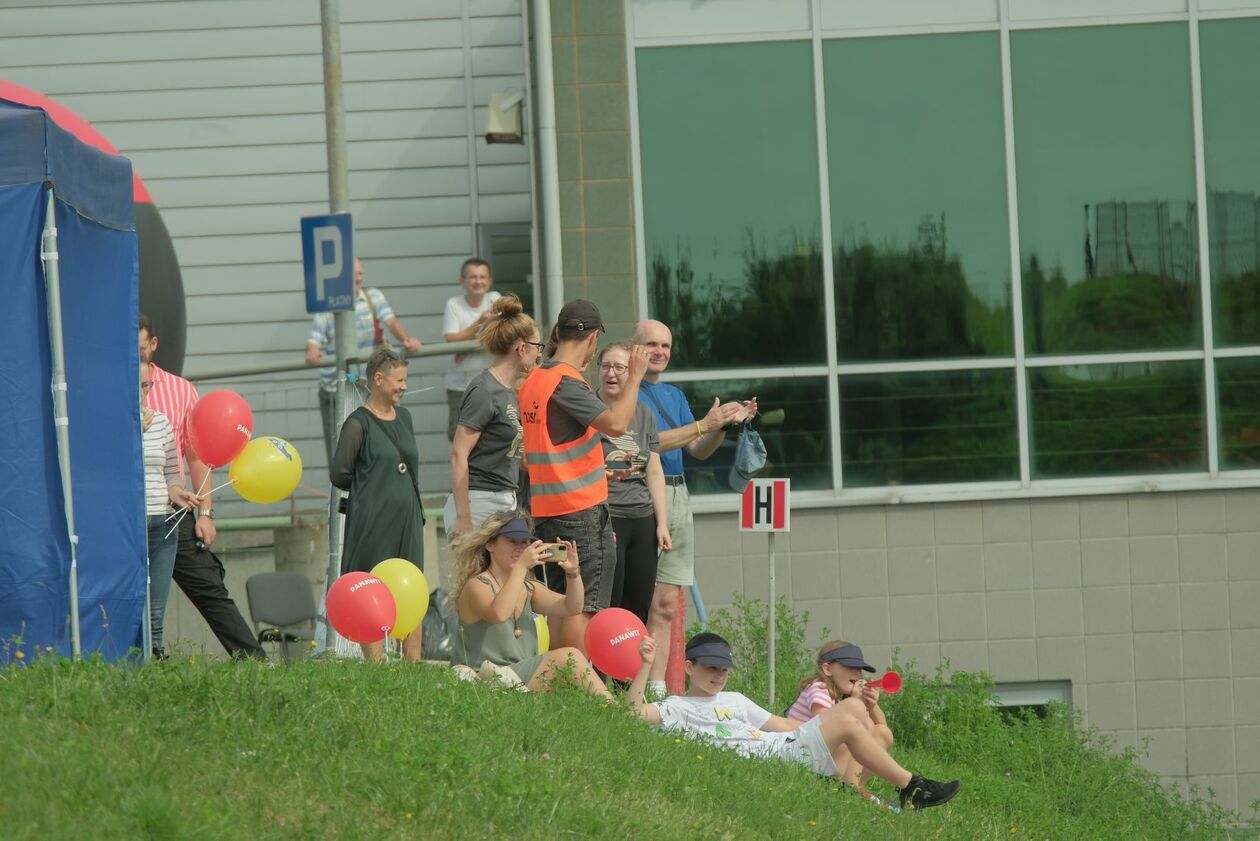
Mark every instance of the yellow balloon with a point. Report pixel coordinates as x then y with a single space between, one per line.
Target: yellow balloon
410 590
544 633
267 470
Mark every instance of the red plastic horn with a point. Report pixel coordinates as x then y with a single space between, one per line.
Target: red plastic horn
890 683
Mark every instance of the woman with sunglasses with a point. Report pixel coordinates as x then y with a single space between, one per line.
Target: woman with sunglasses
376 460
486 451
636 490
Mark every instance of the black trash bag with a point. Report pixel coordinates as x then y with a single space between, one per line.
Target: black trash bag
441 624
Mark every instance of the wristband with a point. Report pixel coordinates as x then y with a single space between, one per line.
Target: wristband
205 512
699 430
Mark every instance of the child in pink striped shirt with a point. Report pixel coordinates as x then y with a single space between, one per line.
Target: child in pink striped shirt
839 680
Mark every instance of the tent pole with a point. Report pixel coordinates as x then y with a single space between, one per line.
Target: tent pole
61 417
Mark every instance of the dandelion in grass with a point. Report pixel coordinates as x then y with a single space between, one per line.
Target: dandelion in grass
19 654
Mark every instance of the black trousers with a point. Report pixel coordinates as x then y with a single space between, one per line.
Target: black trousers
635 581
199 573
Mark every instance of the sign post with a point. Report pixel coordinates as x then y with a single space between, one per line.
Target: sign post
765 505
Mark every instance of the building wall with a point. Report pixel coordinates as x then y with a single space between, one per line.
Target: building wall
593 140
219 104
1149 604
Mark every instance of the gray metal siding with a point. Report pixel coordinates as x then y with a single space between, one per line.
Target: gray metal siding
219 104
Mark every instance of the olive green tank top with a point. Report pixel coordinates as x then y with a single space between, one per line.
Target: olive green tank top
498 643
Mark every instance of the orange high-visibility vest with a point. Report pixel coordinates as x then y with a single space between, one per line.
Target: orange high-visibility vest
563 478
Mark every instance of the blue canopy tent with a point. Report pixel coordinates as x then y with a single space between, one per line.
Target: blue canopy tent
52 594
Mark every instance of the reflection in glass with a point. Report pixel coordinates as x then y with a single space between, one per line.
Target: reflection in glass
1123 418
1230 62
918 196
731 216
1104 159
1238 395
509 256
928 428
792 422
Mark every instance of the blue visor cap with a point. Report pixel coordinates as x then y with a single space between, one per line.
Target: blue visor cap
516 529
711 654
847 655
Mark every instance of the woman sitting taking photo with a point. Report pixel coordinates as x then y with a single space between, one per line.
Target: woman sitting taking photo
498 597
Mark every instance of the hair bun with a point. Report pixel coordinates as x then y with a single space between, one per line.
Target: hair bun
508 306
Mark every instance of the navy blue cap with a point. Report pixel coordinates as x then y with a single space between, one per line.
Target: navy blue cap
515 528
710 653
846 655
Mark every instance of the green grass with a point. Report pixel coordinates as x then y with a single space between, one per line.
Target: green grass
197 749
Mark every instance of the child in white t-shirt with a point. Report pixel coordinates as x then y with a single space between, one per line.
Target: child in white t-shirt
462 320
730 719
839 676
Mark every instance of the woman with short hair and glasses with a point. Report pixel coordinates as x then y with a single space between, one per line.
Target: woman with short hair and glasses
636 489
376 461
486 451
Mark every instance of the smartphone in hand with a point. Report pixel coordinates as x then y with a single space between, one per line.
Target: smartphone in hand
559 552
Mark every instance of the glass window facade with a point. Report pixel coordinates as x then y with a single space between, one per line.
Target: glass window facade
918 227
1230 51
793 425
1105 167
980 265
733 241
928 427
1117 419
1238 392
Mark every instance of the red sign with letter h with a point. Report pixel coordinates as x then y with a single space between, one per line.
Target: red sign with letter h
764 505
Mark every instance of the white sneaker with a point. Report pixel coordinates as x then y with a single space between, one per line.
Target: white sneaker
504 675
464 673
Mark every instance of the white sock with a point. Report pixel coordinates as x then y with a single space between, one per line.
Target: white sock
657 688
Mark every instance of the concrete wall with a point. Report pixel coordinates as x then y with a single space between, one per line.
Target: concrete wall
1148 604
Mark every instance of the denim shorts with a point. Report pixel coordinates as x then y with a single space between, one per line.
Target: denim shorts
591 530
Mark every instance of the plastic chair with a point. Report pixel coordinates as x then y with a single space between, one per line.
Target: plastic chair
280 604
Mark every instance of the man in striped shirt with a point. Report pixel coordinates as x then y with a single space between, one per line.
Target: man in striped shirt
197 571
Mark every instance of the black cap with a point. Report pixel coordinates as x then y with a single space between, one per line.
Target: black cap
846 655
709 650
580 315
516 528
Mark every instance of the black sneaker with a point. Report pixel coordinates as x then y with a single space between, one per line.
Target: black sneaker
922 793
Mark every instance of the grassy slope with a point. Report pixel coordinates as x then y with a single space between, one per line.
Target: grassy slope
189 749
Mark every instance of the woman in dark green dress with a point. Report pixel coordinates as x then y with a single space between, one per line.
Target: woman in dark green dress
376 461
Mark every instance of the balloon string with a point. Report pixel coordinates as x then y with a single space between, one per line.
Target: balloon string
183 512
220 487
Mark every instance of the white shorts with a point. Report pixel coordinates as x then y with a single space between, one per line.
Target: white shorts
809 748
481 504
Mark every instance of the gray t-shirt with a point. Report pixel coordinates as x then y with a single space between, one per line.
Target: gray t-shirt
490 408
571 409
630 497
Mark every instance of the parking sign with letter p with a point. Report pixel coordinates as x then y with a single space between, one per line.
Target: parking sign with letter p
328 262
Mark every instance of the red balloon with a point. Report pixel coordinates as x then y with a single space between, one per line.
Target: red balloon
360 607
219 427
612 642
